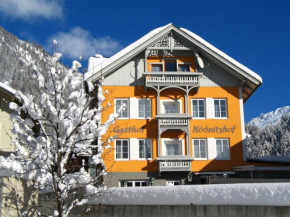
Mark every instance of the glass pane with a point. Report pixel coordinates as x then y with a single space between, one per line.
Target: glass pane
125 110
217 108
148 109
137 184
118 104
148 149
184 68
195 108
157 68
202 149
129 184
196 148
141 149
143 183
170 66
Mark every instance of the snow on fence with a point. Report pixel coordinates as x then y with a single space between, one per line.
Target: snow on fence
262 194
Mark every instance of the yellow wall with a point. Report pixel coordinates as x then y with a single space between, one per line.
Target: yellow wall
150 128
5 123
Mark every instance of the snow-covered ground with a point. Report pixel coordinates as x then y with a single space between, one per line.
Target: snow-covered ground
260 194
272 117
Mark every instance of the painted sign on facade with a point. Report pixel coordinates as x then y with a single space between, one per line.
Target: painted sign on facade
214 129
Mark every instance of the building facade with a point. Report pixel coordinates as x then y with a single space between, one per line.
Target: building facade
182 117
7 95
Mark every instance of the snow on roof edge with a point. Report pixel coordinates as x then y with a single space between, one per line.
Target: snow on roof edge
126 50
7 88
222 54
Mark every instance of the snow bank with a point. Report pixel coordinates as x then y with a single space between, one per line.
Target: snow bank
262 194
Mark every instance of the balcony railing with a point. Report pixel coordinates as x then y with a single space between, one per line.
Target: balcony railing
173 121
172 78
174 165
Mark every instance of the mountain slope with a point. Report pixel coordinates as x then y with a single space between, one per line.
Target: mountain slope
18 60
270 118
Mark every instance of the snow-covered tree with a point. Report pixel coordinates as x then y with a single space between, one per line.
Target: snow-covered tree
55 133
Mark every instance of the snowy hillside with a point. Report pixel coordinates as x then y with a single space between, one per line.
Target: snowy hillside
269 118
18 59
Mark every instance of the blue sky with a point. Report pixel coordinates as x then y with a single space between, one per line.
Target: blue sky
255 33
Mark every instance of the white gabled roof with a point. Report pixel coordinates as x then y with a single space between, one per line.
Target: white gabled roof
124 51
248 78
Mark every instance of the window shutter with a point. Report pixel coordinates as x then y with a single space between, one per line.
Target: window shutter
134 149
134 108
209 108
211 145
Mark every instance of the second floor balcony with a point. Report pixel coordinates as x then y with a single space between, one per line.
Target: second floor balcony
178 79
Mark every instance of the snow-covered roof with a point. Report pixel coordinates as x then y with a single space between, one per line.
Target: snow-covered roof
7 90
126 50
244 74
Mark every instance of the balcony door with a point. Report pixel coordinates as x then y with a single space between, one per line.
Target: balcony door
170 65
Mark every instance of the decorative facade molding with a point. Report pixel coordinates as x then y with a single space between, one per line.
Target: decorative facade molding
172 42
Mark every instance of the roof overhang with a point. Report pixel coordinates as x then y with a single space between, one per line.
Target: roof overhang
250 81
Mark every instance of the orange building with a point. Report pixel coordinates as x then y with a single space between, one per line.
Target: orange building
184 117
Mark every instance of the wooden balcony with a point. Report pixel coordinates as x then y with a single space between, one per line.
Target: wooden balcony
173 121
174 165
172 79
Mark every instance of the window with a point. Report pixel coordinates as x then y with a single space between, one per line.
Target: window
122 102
220 108
133 183
172 149
198 108
171 107
170 65
183 68
145 150
199 147
122 149
144 106
157 67
222 148
172 183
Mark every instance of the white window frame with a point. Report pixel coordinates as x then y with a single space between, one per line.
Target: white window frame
169 141
220 108
162 105
206 147
147 99
133 183
128 107
150 142
204 103
122 159
219 158
172 181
